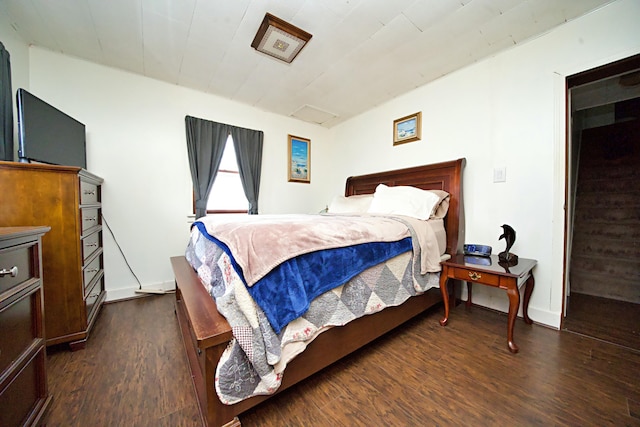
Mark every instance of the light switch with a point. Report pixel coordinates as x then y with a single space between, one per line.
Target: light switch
500 174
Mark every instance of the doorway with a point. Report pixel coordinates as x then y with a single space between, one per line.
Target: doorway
602 297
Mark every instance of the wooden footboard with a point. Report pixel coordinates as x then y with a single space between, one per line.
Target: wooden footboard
206 333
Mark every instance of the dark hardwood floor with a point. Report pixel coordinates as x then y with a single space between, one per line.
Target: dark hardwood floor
133 372
606 319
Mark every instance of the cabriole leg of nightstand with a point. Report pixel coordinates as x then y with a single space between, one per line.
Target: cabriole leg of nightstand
514 304
445 295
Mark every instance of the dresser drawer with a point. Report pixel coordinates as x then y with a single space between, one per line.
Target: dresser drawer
16 266
471 275
90 218
91 270
92 298
89 193
22 398
91 244
20 318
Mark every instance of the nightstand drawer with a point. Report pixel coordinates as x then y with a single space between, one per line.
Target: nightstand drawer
471 275
16 266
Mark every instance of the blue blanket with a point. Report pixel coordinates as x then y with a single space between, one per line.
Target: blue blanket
286 292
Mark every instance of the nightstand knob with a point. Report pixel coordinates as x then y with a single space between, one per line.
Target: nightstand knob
474 276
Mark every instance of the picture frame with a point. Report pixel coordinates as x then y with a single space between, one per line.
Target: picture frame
407 129
299 160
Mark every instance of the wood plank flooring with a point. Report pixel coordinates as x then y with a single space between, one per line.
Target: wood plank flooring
606 319
133 372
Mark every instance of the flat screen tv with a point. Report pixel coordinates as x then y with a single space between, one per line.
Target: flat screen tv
47 135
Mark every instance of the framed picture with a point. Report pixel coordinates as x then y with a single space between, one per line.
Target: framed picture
407 129
299 159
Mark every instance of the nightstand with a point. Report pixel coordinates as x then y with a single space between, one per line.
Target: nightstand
488 271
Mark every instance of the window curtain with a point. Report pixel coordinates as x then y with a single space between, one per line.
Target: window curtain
6 106
205 145
248 147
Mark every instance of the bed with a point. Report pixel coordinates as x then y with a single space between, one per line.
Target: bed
206 333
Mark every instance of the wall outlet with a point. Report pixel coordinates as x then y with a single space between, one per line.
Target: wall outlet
500 174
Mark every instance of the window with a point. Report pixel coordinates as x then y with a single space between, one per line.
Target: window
227 194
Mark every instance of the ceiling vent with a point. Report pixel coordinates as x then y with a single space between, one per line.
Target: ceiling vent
313 115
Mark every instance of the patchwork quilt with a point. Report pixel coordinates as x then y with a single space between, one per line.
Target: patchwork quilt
255 360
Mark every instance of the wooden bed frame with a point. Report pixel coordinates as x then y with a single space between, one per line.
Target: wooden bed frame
206 333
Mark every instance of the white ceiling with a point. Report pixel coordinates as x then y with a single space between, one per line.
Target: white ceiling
363 52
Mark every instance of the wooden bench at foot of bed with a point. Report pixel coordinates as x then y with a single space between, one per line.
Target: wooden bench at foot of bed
206 333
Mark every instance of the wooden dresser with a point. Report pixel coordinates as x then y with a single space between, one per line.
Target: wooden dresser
67 199
24 395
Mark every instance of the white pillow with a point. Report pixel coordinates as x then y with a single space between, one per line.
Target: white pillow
403 200
351 204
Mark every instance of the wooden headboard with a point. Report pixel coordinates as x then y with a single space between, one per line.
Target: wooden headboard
445 176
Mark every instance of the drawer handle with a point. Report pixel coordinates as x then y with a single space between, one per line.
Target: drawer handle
474 275
90 192
13 271
92 270
92 218
91 245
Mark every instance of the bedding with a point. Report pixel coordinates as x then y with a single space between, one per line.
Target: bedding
207 334
442 206
313 254
262 346
306 275
287 236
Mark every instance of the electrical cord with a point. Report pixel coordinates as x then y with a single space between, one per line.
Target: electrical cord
121 251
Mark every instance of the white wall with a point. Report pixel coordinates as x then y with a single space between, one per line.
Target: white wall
507 111
136 142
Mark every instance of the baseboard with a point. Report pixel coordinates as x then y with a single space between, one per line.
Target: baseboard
545 317
134 292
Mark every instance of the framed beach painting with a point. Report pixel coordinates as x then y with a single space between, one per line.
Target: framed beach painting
407 129
299 159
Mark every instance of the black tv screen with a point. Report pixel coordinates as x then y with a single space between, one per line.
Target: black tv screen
47 135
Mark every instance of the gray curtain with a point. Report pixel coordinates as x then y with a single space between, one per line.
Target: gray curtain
248 147
6 106
205 145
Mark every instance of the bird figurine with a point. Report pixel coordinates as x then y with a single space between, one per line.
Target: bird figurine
509 235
